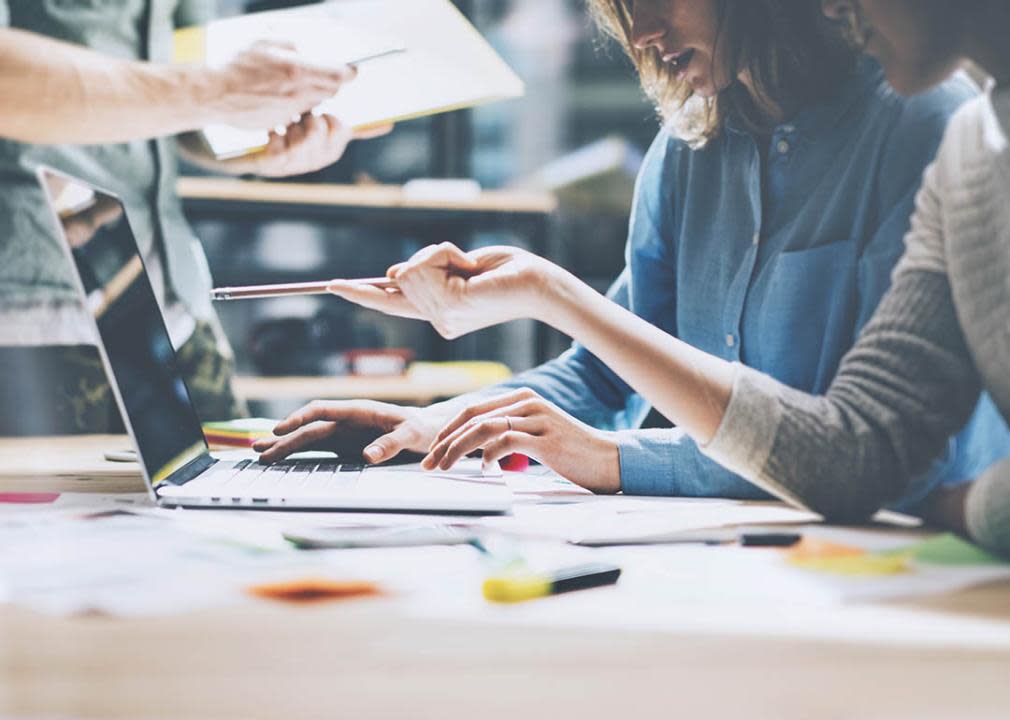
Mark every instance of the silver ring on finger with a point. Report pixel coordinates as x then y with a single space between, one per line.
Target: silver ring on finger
508 421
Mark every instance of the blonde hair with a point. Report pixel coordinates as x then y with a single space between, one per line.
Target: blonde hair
792 53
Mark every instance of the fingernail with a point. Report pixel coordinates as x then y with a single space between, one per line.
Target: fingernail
372 453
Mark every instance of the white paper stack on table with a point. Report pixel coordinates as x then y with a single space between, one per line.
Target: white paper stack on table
432 60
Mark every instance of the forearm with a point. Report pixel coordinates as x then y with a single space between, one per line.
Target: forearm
55 92
688 386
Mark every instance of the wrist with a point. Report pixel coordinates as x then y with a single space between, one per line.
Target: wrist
203 90
188 94
552 293
608 462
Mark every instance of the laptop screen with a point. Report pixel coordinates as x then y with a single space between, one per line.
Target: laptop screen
118 295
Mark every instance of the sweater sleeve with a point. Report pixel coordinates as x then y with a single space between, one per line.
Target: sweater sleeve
903 389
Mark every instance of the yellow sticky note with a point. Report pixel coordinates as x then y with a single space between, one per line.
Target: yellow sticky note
190 45
864 564
825 556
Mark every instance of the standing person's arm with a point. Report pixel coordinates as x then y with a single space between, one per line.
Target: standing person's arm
56 92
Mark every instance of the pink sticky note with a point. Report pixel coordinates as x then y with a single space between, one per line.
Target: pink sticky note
25 498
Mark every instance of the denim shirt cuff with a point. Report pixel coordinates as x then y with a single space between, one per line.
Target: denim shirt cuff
647 465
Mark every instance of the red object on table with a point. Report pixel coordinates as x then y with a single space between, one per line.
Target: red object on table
26 498
516 462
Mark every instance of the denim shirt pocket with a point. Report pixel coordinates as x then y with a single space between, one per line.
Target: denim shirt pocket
807 314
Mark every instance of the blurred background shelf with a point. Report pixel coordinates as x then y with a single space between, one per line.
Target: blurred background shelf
206 194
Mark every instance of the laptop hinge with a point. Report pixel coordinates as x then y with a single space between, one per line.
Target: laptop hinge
190 470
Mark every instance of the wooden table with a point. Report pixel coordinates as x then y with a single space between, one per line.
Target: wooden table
67 464
360 660
367 659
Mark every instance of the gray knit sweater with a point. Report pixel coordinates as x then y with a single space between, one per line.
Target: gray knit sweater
939 336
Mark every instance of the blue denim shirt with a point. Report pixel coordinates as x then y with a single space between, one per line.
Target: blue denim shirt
778 269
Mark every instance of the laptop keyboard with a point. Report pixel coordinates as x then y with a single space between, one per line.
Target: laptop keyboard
286 478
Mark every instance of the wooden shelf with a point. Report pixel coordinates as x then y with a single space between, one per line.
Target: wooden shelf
381 197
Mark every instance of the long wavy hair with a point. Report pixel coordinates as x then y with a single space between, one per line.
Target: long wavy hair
792 52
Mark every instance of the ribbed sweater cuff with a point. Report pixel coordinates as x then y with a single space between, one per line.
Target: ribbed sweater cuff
746 436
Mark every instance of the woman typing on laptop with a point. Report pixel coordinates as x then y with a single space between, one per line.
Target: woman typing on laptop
768 215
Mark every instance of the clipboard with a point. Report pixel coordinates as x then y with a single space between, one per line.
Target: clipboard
426 58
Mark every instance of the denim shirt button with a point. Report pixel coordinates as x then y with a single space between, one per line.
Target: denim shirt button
730 340
783 146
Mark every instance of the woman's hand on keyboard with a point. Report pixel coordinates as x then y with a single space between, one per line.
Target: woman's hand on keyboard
373 430
523 422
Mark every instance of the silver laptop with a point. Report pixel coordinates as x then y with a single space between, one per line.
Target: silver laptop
159 415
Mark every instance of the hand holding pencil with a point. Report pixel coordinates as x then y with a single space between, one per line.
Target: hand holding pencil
250 292
461 292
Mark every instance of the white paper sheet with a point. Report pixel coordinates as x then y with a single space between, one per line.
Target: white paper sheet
445 63
626 521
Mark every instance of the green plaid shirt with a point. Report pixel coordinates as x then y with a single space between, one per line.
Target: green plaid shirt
33 268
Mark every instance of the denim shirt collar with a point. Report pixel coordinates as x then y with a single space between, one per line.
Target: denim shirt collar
821 118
